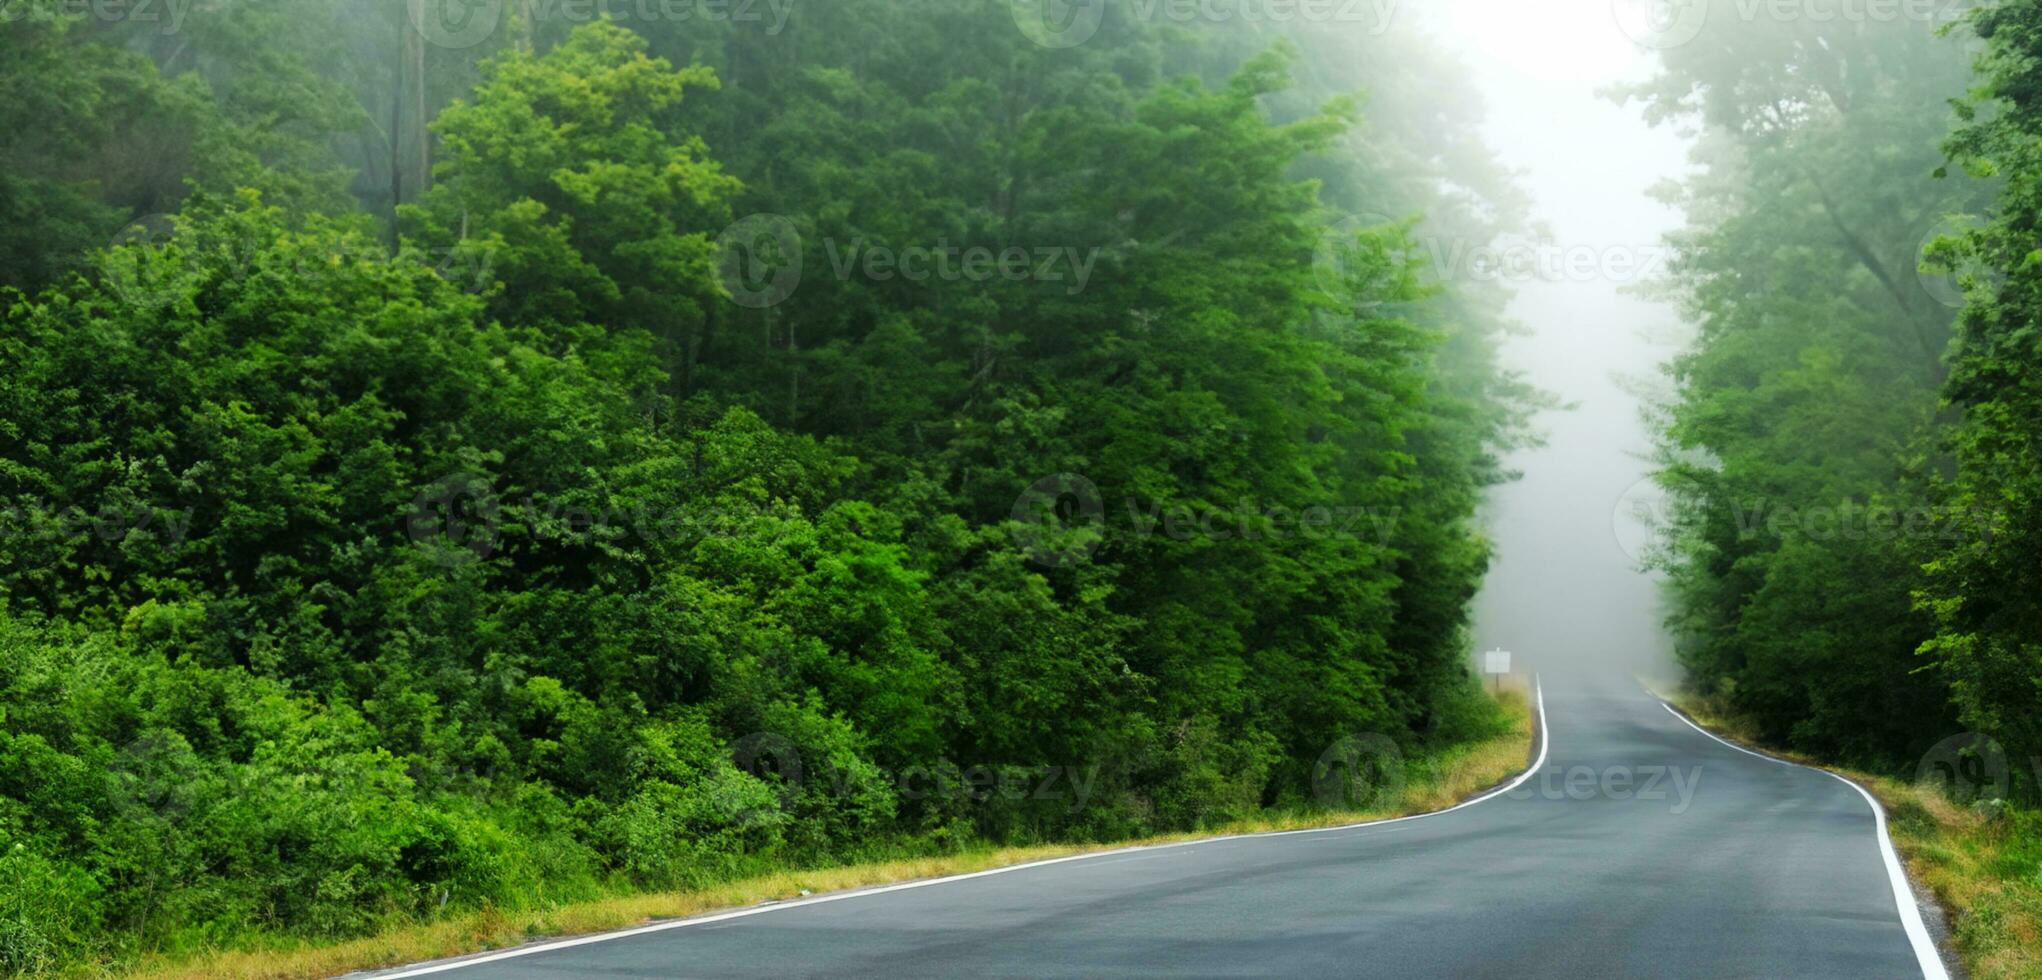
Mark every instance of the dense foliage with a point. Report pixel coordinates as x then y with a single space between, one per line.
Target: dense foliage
401 523
1802 422
1983 590
1851 459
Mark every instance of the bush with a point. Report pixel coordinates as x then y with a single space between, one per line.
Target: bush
47 910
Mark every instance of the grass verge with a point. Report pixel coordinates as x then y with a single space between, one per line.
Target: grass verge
1984 868
1432 782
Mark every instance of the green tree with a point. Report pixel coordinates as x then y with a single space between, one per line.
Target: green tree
1988 639
1797 444
569 178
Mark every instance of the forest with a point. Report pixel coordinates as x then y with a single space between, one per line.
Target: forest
1849 442
480 456
469 455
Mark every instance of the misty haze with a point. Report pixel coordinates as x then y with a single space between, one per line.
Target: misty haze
936 488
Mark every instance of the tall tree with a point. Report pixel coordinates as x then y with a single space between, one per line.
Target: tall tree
1797 446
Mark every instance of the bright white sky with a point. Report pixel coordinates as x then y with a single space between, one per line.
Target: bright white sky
1564 590
1554 40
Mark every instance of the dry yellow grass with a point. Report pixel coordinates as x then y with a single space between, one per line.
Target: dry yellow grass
1984 871
1435 783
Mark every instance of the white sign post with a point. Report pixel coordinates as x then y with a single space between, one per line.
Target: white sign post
1496 663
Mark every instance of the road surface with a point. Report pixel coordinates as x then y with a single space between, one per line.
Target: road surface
1728 865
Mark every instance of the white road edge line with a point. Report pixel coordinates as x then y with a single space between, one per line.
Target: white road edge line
1543 734
1925 953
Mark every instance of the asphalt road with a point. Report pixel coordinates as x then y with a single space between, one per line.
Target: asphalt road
1641 847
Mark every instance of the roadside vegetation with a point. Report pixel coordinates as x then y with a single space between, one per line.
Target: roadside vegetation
454 471
1426 784
1853 519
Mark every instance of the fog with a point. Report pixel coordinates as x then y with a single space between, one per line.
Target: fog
1566 589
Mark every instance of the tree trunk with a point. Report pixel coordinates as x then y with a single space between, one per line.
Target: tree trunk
396 154
415 57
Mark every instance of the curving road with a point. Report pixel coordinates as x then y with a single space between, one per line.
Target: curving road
1638 846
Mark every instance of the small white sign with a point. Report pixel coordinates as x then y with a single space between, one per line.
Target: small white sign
1496 662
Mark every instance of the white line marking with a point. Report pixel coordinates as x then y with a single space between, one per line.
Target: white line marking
1545 744
1903 894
